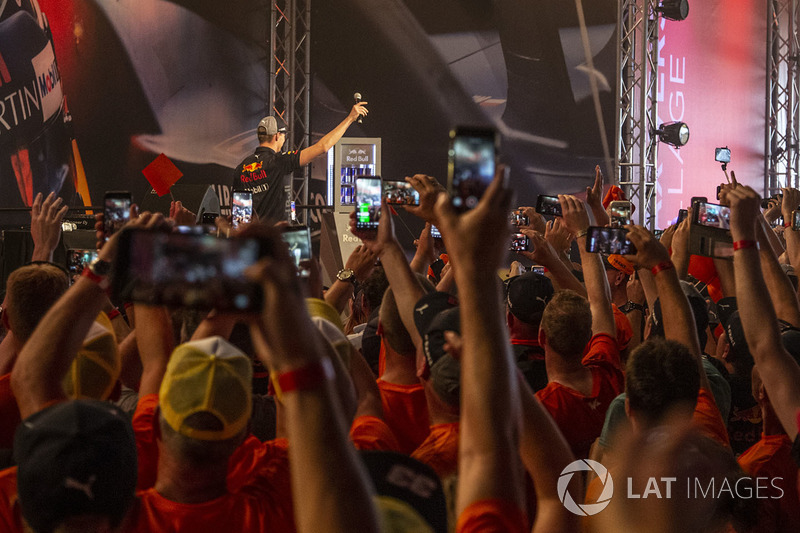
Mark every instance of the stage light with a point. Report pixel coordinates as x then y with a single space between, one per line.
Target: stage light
674 133
674 9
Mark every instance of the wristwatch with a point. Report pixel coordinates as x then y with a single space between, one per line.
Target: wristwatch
346 275
99 267
631 306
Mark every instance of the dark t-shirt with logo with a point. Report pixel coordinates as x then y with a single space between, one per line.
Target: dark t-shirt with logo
265 173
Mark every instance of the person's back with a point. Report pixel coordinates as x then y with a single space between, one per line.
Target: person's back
526 298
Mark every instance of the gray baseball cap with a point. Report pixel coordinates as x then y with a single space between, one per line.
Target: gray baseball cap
270 125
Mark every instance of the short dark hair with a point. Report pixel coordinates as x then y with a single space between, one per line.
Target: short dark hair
374 287
394 331
567 322
661 374
31 291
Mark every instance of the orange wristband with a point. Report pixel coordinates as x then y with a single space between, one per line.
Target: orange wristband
743 245
666 265
307 377
101 281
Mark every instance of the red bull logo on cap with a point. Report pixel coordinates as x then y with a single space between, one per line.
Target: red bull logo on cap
252 167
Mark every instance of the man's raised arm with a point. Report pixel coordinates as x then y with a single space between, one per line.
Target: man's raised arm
332 137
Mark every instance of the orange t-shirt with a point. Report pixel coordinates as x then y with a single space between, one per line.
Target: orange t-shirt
9 413
487 516
405 411
624 329
580 418
10 511
440 449
372 433
771 458
232 512
255 468
708 420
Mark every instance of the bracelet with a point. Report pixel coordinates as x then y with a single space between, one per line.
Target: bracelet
114 313
307 377
101 281
744 244
629 306
787 224
581 234
666 265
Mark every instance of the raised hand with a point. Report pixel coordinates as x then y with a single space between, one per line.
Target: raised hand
573 213
429 191
46 217
649 252
558 235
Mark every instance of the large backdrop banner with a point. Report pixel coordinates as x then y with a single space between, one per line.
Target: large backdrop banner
91 91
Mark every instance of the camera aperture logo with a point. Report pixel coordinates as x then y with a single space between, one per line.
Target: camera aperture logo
586 509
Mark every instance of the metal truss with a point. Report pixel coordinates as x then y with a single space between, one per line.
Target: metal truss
782 112
290 83
637 147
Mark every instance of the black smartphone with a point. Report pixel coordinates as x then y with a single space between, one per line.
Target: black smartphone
435 233
518 218
298 238
722 155
187 269
519 242
472 160
698 200
77 261
241 207
368 202
682 214
209 219
796 220
400 193
657 233
116 211
712 215
620 212
606 240
539 269
548 205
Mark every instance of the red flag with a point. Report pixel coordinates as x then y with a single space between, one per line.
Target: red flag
162 174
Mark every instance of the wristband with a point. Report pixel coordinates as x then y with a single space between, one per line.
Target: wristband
629 306
744 244
307 377
581 234
787 224
114 313
101 281
666 265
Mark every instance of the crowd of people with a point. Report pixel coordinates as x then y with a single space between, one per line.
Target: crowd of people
658 391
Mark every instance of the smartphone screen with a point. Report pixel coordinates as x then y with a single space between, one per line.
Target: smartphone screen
116 211
189 269
241 208
609 241
471 165
620 212
518 218
299 241
519 243
796 220
682 214
712 215
209 218
400 193
368 202
77 261
548 205
435 233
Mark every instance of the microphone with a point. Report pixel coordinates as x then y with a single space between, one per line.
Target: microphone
357 97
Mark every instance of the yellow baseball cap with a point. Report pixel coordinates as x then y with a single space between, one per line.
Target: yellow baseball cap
96 367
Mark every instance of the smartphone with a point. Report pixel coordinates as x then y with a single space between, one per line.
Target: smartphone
400 193
298 238
539 269
657 233
698 200
620 212
116 211
209 219
609 241
472 159
518 218
722 155
519 243
712 215
77 261
435 233
682 214
188 269
796 220
548 205
241 208
368 202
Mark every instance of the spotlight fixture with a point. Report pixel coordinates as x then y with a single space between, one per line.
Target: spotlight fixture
674 9
674 133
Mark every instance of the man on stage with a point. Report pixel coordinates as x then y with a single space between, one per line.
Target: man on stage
265 171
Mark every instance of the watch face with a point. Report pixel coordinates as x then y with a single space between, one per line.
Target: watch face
100 267
345 275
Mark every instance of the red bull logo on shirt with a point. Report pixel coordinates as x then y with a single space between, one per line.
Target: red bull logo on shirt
252 167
